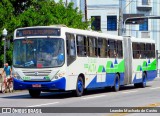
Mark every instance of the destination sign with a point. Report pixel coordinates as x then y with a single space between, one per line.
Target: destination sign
38 32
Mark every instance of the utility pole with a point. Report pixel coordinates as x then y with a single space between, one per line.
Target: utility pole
66 3
4 33
120 22
85 4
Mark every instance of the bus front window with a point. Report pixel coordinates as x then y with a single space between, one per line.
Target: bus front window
38 53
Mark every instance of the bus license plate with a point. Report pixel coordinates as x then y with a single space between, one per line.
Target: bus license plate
36 85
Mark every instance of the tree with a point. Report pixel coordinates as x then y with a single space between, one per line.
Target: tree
24 13
6 13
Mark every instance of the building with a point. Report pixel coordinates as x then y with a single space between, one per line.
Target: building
109 15
150 28
105 14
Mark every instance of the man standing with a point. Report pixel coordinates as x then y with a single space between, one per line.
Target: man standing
7 78
8 71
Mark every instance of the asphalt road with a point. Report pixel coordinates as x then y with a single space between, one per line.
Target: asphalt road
128 96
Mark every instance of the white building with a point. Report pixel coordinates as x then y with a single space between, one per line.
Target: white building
151 27
107 13
104 12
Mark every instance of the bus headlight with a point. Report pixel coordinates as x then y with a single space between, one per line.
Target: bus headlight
59 75
16 75
56 77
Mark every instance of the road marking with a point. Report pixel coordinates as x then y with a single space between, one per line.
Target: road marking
129 91
94 97
155 88
44 104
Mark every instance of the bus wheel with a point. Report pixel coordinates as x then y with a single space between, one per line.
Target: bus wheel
144 81
79 87
137 85
34 93
116 83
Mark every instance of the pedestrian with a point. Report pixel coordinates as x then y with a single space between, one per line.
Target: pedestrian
7 77
8 71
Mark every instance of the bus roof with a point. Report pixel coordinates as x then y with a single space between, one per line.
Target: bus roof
90 33
142 40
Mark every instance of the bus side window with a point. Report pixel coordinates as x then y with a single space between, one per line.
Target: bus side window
111 48
153 51
92 46
102 52
136 50
119 49
142 50
71 50
148 50
82 49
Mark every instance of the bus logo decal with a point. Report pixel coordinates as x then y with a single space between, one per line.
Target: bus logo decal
36 73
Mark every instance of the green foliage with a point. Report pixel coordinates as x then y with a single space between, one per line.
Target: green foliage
24 13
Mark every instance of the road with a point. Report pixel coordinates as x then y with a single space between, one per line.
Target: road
128 96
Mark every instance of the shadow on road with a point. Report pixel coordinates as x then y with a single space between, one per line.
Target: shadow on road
65 95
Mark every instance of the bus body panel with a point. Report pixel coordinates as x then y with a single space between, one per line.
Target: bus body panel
59 84
141 66
99 72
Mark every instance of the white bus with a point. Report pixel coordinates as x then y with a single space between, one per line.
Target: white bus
50 58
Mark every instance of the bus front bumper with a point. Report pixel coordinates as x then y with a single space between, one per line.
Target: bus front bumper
52 85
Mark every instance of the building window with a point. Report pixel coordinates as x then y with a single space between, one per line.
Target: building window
144 26
111 23
96 24
145 2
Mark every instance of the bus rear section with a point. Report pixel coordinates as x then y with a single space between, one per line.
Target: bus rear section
140 60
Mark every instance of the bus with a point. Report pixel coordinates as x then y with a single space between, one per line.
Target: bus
58 58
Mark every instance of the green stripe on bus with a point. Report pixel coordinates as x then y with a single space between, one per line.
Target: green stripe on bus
148 67
115 68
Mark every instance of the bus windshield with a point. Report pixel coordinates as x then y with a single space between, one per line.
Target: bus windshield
38 53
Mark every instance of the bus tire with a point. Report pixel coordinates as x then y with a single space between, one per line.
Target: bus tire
34 93
116 83
79 87
137 85
144 81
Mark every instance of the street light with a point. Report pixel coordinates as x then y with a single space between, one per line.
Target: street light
137 18
4 33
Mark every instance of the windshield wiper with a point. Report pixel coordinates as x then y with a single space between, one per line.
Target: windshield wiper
27 64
